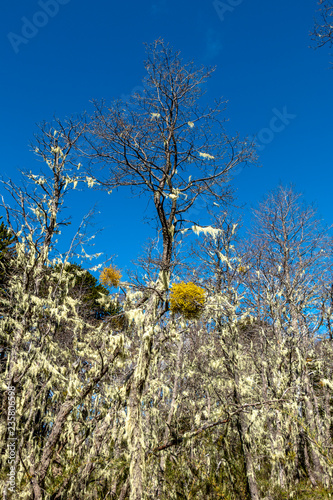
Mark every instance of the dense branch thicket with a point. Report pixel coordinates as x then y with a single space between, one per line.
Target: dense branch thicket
206 379
323 30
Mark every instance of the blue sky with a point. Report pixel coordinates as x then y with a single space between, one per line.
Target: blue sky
92 50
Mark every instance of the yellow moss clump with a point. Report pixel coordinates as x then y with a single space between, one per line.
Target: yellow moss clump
110 276
187 299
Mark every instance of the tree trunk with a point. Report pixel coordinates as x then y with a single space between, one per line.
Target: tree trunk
134 430
248 459
170 415
317 470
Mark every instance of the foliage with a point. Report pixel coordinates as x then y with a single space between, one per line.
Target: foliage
110 276
187 299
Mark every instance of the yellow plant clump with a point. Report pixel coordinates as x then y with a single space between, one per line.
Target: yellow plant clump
110 276
187 299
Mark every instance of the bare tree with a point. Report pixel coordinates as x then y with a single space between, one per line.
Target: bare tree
163 145
286 275
48 379
323 30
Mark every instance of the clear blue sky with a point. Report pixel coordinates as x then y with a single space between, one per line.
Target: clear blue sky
93 50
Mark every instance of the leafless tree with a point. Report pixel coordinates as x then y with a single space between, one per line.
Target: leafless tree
287 273
323 30
37 303
163 145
